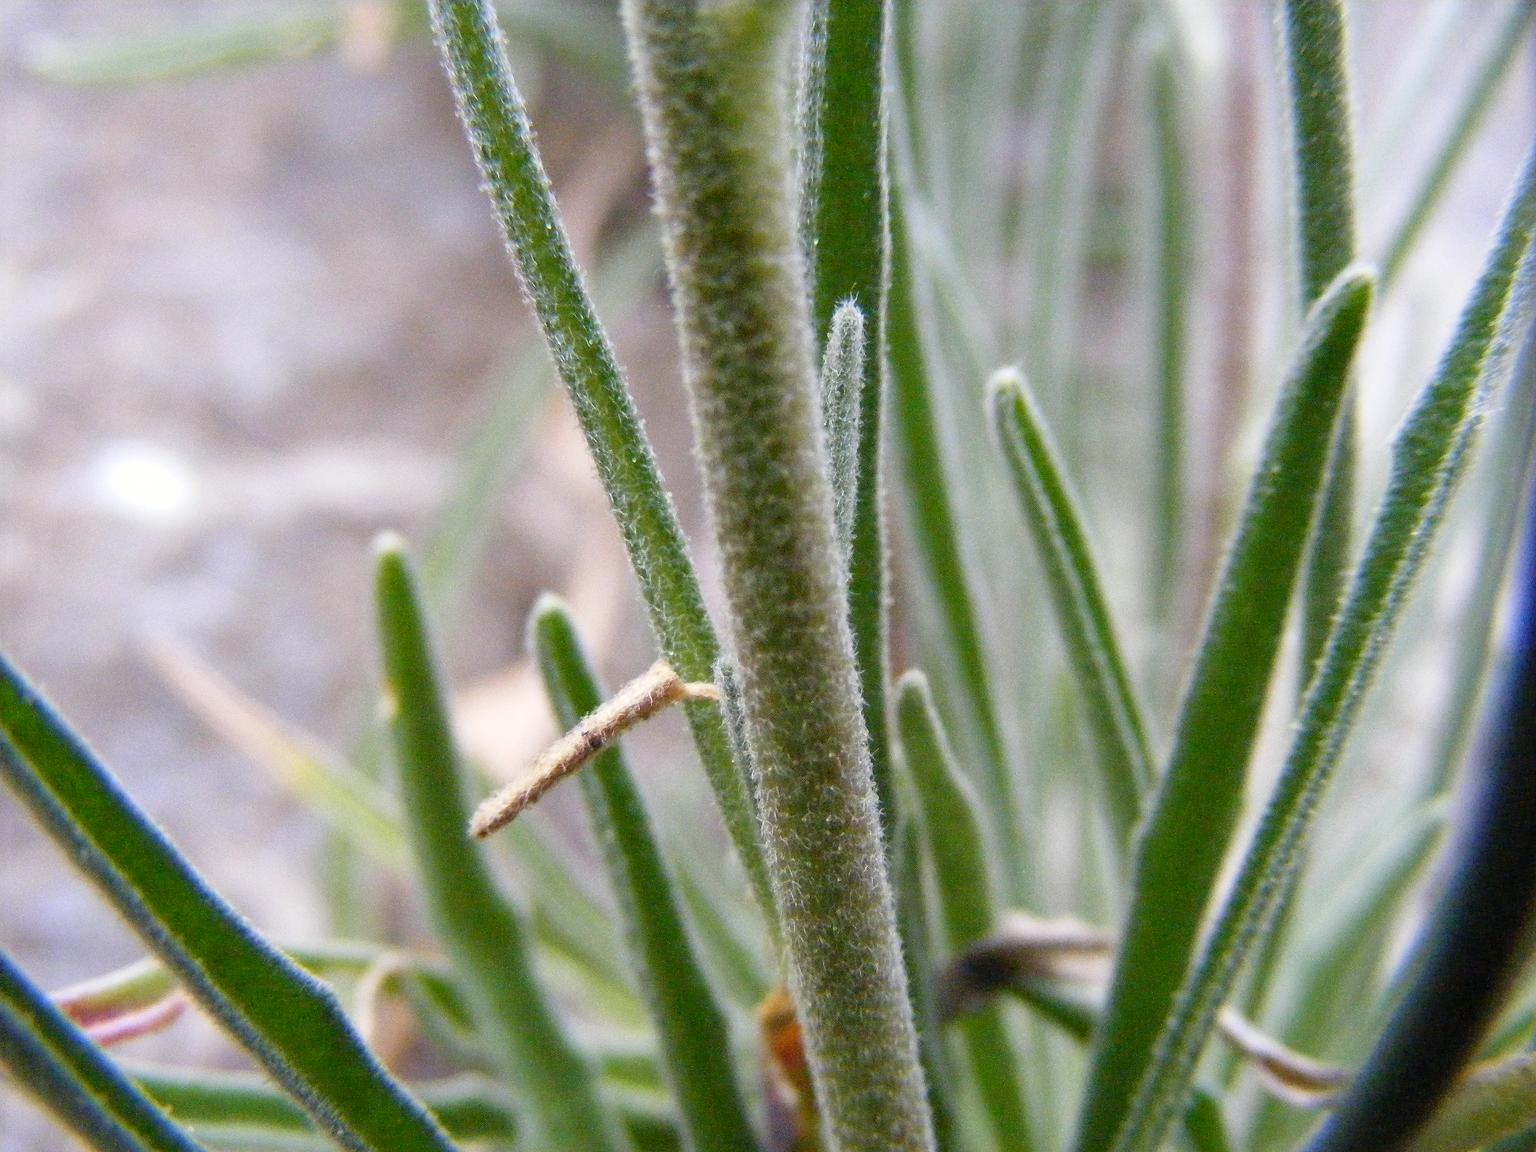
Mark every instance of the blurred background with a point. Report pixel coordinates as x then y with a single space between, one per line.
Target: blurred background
254 309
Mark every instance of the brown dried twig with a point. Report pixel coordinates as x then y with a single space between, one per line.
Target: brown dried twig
654 690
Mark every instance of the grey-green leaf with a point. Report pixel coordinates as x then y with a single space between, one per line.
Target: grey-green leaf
1429 454
481 931
692 1030
842 372
1077 596
45 1053
291 1023
951 826
1196 806
498 128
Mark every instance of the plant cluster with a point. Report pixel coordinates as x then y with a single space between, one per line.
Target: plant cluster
906 963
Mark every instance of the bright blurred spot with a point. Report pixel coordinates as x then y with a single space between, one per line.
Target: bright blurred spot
143 482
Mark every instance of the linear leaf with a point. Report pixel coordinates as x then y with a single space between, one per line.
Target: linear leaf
1429 453
842 374
936 535
912 906
481 931
1195 810
50 1057
498 129
846 198
951 825
692 1031
1072 580
1512 460
1316 53
1475 940
288 1021
1173 262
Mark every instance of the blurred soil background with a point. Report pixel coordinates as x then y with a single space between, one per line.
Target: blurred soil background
248 319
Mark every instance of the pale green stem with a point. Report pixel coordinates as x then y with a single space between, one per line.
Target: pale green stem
1322 141
713 92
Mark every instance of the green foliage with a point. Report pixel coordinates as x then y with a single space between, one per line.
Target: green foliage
865 207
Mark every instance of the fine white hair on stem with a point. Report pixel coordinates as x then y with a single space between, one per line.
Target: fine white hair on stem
655 689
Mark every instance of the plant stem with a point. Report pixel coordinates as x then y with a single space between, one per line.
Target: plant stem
713 92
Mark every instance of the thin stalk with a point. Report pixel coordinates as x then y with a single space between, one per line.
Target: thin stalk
1195 809
712 85
481 931
1316 54
498 128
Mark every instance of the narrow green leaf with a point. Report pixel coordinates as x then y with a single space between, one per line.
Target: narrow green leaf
1429 454
912 906
936 535
498 128
1196 806
288 1021
481 931
1491 70
1473 944
1072 579
1316 54
1512 461
1173 262
467 1107
692 1031
951 826
842 374
45 1053
950 814
845 196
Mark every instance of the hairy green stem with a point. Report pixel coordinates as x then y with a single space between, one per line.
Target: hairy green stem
1322 139
713 91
